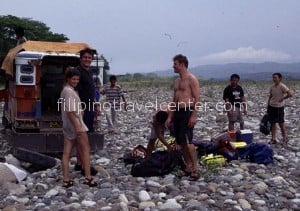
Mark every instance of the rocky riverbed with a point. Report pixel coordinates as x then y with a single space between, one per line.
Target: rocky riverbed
238 185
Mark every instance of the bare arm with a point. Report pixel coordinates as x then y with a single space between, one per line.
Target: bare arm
244 104
195 89
171 110
157 128
123 98
270 96
102 91
73 119
288 94
227 104
226 99
125 103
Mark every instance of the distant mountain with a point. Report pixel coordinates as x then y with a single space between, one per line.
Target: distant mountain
255 71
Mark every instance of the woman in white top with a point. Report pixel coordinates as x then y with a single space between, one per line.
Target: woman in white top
74 129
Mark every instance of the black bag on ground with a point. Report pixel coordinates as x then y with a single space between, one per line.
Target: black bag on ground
265 125
206 147
260 153
158 164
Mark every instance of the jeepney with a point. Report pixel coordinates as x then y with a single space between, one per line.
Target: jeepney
33 75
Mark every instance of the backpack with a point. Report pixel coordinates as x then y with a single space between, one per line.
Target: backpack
158 164
217 146
260 153
265 125
206 147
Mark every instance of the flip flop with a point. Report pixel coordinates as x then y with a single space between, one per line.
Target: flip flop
186 173
90 182
67 184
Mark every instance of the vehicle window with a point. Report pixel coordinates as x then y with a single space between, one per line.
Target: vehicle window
27 69
52 69
26 79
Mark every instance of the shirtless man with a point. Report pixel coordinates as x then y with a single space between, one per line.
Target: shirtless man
186 96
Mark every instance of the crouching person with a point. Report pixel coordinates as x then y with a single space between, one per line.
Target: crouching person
158 131
74 129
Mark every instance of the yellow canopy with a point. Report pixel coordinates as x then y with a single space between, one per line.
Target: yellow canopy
40 46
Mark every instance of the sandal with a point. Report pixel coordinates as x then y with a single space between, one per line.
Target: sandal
186 172
273 141
90 182
284 141
194 176
67 184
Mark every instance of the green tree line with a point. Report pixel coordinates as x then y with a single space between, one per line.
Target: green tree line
34 30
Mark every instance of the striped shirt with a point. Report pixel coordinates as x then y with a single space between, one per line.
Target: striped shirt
113 95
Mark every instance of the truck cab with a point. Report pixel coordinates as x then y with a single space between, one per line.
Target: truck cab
33 76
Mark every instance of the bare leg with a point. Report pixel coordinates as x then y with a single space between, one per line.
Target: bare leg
273 131
230 122
109 120
150 147
231 126
193 156
190 157
186 156
114 118
68 145
242 125
283 132
78 155
82 141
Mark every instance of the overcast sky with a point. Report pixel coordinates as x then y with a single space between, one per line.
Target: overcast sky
144 35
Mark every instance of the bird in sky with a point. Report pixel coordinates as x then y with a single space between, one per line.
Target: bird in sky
181 43
168 35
